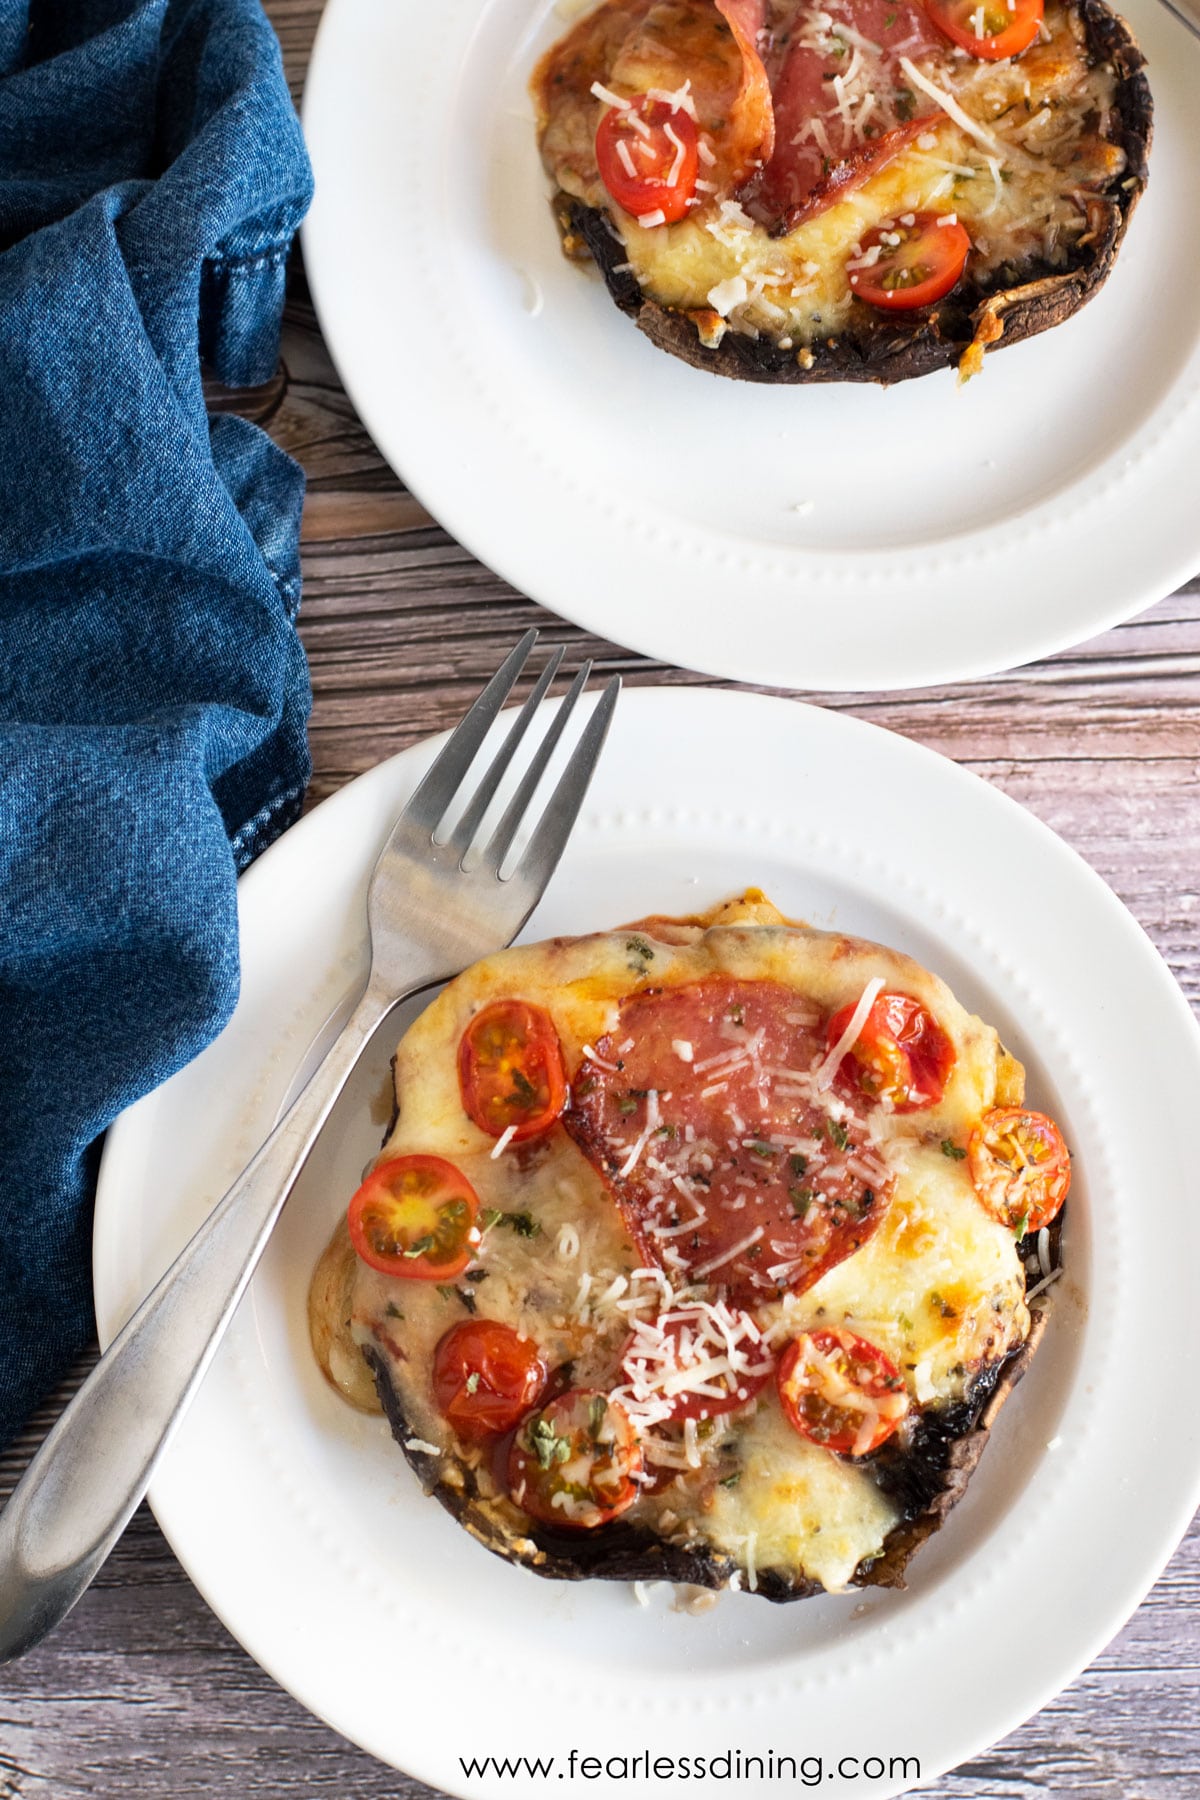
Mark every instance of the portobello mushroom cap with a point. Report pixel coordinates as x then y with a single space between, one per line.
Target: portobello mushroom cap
927 1477
895 347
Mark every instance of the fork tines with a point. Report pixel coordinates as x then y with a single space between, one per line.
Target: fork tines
433 799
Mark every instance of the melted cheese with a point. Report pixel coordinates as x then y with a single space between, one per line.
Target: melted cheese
796 1506
1012 182
939 1286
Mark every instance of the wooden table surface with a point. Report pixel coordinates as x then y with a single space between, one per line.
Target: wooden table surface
142 1693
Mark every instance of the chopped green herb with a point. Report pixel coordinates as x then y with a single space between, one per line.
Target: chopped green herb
639 948
597 1407
627 1104
420 1245
798 1165
524 1089
801 1199
760 1147
952 1150
731 1481
392 1310
448 1291
839 1137
904 1322
1021 1227
736 1015
491 1215
523 1223
547 1446
889 21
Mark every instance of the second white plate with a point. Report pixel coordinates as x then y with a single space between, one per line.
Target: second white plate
827 538
307 1532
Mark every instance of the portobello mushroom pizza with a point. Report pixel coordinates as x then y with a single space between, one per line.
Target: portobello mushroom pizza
844 190
700 1250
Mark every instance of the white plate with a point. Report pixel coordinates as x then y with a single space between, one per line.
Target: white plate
307 1533
945 532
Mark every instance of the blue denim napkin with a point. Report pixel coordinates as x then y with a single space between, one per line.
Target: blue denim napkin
153 693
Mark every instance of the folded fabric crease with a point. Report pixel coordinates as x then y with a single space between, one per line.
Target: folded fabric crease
153 692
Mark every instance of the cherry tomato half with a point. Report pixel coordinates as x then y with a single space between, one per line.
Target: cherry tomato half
647 154
840 1391
510 1070
991 30
486 1376
414 1216
916 265
1020 1166
684 1364
901 1054
573 1462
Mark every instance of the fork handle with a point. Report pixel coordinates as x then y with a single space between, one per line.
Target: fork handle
78 1493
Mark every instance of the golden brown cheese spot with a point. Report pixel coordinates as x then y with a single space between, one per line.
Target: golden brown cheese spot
910 1232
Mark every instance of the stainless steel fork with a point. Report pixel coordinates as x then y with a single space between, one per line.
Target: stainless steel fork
431 910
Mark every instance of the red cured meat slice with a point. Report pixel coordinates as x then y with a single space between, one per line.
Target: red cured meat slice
753 118
712 46
728 1166
828 142
850 170
746 16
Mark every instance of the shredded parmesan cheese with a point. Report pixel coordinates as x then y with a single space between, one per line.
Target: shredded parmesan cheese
727 1256
647 1132
678 99
503 1141
950 106
728 294
1043 1285
608 97
824 1076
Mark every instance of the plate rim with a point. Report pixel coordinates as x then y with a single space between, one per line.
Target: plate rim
705 701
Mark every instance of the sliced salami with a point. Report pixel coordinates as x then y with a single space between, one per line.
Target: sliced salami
732 1162
843 104
707 47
